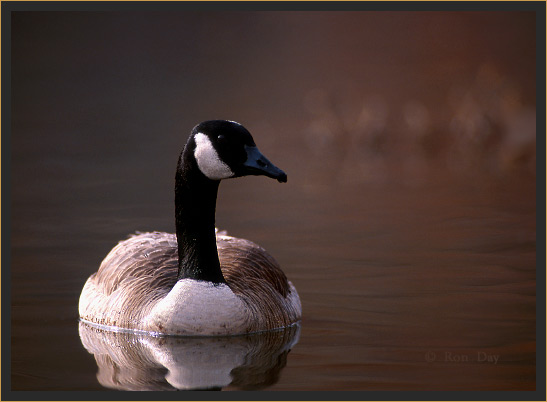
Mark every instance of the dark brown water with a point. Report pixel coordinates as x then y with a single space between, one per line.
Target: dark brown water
402 288
408 224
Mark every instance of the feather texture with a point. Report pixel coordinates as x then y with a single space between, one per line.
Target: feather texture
136 281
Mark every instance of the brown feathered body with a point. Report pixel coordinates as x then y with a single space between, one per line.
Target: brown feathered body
136 289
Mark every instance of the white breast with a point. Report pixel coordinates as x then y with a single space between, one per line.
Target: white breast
199 308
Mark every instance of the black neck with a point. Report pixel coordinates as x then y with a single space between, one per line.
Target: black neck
195 203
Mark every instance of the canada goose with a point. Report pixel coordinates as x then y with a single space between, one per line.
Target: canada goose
197 281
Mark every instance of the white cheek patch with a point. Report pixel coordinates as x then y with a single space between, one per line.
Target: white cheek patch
208 160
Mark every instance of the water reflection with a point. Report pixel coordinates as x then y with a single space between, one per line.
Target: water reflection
139 362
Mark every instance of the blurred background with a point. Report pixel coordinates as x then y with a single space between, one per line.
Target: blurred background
408 219
368 96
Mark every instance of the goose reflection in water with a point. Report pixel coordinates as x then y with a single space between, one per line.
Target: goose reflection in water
133 362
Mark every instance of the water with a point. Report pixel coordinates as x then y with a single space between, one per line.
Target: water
408 223
402 288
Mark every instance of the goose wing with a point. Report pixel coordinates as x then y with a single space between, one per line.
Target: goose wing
135 274
255 276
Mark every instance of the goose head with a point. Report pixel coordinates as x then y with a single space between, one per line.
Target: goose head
225 149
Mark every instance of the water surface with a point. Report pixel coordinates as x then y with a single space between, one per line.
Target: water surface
402 288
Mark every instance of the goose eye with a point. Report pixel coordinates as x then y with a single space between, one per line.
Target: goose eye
221 137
